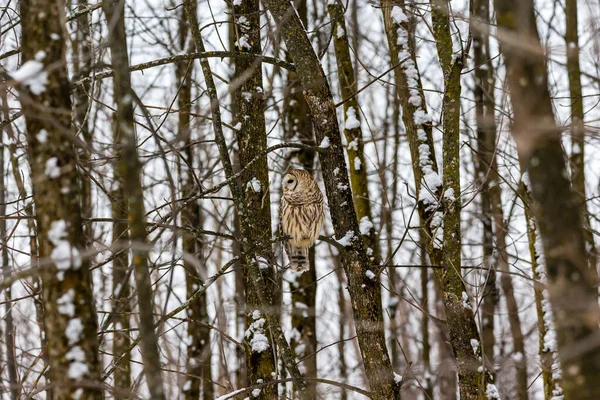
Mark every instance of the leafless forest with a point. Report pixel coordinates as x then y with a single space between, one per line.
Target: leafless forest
143 149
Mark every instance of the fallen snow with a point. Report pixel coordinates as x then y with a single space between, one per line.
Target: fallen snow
324 143
51 169
255 185
347 239
74 330
32 75
492 392
352 121
365 225
370 275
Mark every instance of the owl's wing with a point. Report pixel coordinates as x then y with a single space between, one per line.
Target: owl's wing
284 243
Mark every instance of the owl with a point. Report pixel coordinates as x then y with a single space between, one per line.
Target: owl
301 216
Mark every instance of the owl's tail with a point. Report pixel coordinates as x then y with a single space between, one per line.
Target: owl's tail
299 259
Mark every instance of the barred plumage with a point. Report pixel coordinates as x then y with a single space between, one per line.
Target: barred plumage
301 216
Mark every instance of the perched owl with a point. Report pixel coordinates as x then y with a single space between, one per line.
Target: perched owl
301 216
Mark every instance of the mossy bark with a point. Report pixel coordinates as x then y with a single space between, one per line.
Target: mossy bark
463 329
129 169
577 158
365 292
548 356
66 281
571 284
248 97
353 132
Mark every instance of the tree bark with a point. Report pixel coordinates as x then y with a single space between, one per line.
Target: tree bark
198 363
365 292
248 97
352 129
486 142
129 171
9 328
549 364
571 285
70 318
577 159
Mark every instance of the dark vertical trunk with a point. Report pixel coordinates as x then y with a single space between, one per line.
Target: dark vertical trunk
198 364
577 159
486 142
571 283
9 328
129 170
70 318
247 89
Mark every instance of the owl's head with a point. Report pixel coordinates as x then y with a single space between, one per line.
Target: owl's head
290 182
298 181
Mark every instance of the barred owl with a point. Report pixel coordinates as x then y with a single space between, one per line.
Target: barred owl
301 216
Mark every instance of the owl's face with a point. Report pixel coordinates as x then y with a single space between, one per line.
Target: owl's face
290 183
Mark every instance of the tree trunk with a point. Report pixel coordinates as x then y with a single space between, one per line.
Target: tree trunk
551 371
70 318
9 328
352 130
364 291
571 284
486 142
577 159
129 171
439 212
198 364
256 220
492 199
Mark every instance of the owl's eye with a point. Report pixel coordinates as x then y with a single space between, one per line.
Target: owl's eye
290 181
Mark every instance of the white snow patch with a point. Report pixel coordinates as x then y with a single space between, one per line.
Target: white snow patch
465 300
32 75
449 195
74 330
352 121
347 239
397 378
492 392
357 163
340 32
66 304
370 274
259 342
398 15
324 143
42 136
353 145
77 368
51 169
64 255
474 344
255 185
243 43
365 225
256 393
